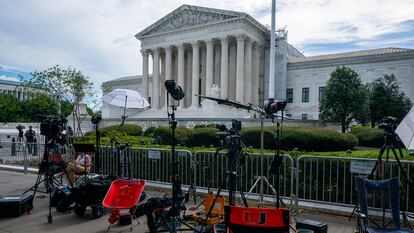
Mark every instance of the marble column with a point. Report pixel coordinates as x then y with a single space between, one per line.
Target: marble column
155 100
209 65
256 74
248 73
162 81
144 73
168 68
240 69
180 78
224 68
195 74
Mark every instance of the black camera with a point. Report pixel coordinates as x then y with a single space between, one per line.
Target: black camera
52 127
96 119
272 106
389 124
174 89
20 129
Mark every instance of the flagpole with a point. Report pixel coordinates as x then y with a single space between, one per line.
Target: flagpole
272 53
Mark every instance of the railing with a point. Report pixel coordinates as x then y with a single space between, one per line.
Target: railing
210 170
328 179
315 179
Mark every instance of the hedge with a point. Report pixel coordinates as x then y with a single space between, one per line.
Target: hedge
204 137
182 134
304 139
149 132
369 137
126 129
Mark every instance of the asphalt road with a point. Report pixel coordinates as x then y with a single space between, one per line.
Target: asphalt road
16 183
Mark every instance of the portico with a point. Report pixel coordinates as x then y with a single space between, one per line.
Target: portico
206 51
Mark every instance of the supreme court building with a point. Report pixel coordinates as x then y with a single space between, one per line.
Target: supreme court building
225 54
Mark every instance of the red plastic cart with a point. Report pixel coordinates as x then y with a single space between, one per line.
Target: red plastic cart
123 194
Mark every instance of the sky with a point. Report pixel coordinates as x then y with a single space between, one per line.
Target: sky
97 37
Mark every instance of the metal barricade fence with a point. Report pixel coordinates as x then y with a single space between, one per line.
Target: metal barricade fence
210 170
327 179
146 163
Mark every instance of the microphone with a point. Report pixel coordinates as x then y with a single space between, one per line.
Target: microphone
174 90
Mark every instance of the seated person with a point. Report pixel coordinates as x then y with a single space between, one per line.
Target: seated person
79 166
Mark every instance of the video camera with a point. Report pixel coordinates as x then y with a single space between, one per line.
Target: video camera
20 129
52 127
389 124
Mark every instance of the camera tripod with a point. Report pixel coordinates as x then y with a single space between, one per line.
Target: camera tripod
49 180
172 220
392 143
235 158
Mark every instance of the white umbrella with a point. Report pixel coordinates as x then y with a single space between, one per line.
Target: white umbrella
125 98
405 130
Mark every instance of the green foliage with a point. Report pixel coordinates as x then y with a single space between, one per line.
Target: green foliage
387 99
66 108
69 86
182 134
10 108
345 98
149 132
39 104
205 126
252 137
136 141
204 137
304 139
126 129
369 137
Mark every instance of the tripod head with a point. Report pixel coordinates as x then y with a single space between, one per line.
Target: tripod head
389 125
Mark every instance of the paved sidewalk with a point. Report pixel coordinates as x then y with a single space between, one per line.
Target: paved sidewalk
16 183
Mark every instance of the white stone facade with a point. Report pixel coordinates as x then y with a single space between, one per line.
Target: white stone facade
230 51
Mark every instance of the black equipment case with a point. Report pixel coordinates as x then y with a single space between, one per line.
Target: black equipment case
15 205
317 227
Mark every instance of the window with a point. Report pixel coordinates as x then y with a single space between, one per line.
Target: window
305 94
321 93
289 95
304 116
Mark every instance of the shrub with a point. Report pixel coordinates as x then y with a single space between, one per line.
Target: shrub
149 132
183 135
370 137
205 126
126 129
305 139
204 137
252 137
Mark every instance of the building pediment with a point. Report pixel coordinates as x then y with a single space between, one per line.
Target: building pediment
188 16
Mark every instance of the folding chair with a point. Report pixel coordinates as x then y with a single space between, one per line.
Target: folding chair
367 189
256 220
90 150
217 212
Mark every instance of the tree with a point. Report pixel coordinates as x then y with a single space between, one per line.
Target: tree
387 99
40 104
10 108
69 86
345 98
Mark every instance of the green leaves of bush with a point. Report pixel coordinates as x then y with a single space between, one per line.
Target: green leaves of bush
370 137
304 139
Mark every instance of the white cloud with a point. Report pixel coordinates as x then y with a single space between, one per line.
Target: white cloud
97 37
3 77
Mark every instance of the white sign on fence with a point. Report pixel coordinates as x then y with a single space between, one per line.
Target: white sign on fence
362 167
154 154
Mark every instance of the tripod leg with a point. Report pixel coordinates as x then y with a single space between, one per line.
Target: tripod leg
404 175
377 166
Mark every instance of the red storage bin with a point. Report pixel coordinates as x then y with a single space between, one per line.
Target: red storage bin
123 194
